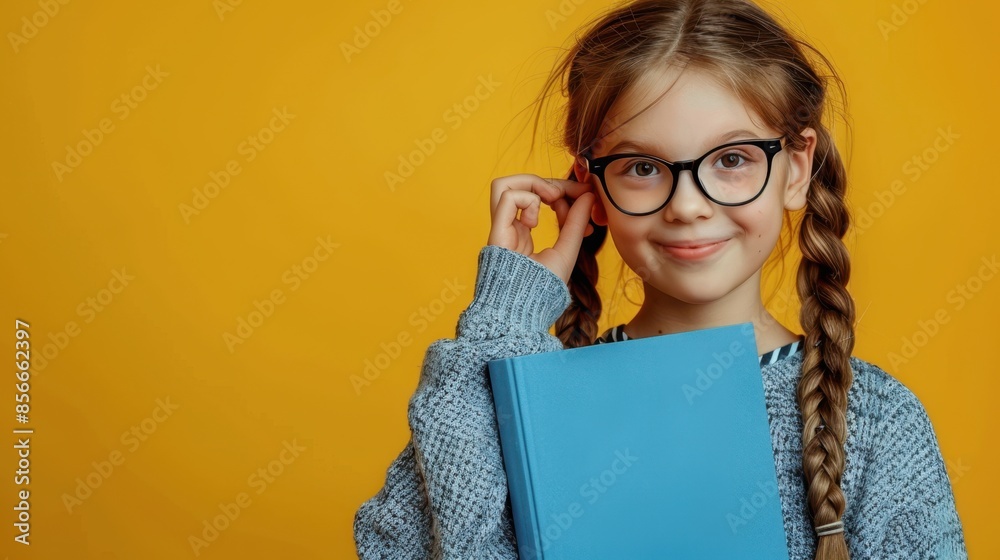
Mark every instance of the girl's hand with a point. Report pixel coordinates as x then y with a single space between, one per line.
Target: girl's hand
525 193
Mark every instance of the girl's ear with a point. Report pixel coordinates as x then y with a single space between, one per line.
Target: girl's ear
597 212
800 172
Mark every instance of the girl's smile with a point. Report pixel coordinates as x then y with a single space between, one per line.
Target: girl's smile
694 250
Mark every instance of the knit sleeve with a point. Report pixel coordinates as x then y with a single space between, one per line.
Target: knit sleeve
445 496
909 493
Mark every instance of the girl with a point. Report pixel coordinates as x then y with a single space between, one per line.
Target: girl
697 126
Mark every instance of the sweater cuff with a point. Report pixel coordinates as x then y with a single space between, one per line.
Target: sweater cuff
514 294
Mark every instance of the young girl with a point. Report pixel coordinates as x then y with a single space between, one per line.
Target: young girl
697 125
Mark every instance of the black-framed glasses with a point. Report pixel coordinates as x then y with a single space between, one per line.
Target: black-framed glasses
732 174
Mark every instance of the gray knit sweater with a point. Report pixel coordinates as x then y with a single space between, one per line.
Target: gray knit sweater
445 495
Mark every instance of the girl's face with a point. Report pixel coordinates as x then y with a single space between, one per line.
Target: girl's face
693 250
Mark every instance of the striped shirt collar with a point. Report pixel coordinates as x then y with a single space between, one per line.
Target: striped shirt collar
617 334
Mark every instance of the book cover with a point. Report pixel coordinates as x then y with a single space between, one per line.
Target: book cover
657 447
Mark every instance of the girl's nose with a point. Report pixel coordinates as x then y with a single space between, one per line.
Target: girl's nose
688 202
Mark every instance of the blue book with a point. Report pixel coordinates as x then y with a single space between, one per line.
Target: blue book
657 447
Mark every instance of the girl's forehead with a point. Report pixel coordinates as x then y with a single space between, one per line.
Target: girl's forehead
672 108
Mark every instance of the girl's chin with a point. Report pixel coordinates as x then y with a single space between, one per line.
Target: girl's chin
699 294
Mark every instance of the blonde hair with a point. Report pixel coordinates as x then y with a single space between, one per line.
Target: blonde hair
768 69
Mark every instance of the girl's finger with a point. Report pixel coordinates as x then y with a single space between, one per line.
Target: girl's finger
548 189
577 221
505 213
524 182
572 189
561 208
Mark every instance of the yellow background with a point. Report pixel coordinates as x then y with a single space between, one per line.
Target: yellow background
223 71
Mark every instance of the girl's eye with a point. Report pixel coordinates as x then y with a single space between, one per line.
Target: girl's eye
642 168
731 160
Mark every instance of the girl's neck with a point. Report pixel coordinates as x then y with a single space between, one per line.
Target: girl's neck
661 314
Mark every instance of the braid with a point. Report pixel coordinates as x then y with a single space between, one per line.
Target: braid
827 317
577 326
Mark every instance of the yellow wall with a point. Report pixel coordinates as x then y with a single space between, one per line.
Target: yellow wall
135 271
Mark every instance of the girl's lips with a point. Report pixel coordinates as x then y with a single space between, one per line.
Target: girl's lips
693 251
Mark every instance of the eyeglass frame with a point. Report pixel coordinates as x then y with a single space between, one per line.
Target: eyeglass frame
597 166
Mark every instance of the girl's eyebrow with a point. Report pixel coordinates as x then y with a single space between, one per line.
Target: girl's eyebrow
651 148
741 134
633 145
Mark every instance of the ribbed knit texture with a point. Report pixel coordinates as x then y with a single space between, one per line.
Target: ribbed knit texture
445 495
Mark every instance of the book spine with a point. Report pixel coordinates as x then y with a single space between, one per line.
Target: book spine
516 458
